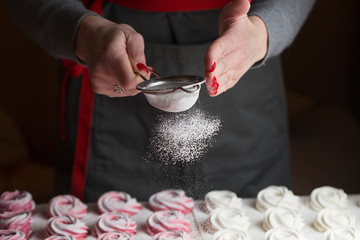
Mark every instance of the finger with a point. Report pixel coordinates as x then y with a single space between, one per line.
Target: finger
240 7
123 72
213 57
227 73
123 93
234 60
135 49
228 80
229 77
217 51
213 54
111 89
234 11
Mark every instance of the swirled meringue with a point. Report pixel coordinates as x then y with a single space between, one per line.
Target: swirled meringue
16 201
276 196
284 233
167 220
12 234
66 225
171 200
66 205
172 235
60 237
227 218
222 198
112 222
16 220
282 217
342 234
331 218
120 202
230 234
116 236
324 197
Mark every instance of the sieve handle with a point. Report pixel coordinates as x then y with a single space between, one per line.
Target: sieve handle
140 75
191 90
151 69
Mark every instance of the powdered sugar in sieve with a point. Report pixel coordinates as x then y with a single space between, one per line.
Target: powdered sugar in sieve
173 93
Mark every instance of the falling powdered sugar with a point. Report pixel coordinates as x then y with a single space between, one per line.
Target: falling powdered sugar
182 137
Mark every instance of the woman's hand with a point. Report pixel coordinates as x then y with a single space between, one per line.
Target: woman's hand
242 42
112 53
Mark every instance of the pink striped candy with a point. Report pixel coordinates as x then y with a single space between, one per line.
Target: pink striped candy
16 220
66 205
167 220
120 202
66 225
116 236
171 200
172 235
60 237
110 222
16 201
12 234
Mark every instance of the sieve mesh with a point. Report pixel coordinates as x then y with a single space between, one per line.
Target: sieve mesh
172 93
176 101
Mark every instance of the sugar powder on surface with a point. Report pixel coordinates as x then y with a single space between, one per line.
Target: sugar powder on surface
182 137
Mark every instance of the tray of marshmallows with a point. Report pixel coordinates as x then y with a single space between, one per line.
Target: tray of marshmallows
276 213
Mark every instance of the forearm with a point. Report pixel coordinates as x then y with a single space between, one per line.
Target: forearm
283 20
51 24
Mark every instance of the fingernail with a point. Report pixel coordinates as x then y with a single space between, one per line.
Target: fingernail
142 67
212 67
249 1
215 85
150 68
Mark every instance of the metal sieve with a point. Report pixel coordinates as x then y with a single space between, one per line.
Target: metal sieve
172 93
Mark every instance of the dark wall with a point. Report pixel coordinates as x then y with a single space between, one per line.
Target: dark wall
29 88
28 113
322 79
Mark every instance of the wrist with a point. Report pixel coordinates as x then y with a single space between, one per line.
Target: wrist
262 37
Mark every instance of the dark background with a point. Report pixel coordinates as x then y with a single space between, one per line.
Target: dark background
322 76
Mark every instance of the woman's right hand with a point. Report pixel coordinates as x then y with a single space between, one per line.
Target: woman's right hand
112 53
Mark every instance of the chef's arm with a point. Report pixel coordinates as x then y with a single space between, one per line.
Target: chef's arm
283 20
50 23
250 34
66 29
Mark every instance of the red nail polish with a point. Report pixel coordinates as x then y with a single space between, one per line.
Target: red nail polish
212 67
142 67
215 85
249 1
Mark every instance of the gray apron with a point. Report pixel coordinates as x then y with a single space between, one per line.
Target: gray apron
250 152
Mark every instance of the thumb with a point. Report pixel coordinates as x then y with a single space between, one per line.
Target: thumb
240 7
234 11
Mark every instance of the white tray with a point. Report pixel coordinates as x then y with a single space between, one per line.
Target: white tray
197 219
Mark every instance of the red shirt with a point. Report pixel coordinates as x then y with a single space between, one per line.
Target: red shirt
172 5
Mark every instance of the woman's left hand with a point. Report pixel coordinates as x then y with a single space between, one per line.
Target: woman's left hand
242 42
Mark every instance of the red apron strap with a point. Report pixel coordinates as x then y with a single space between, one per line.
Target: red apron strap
83 137
85 111
72 70
172 5
95 6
